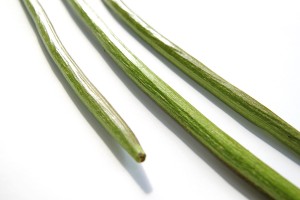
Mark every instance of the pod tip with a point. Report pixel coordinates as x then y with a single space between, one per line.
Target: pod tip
141 157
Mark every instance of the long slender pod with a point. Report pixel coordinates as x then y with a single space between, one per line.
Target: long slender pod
222 145
85 90
226 92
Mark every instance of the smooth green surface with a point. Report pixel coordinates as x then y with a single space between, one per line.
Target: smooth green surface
89 95
222 145
229 94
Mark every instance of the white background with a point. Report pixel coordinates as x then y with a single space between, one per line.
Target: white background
51 147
